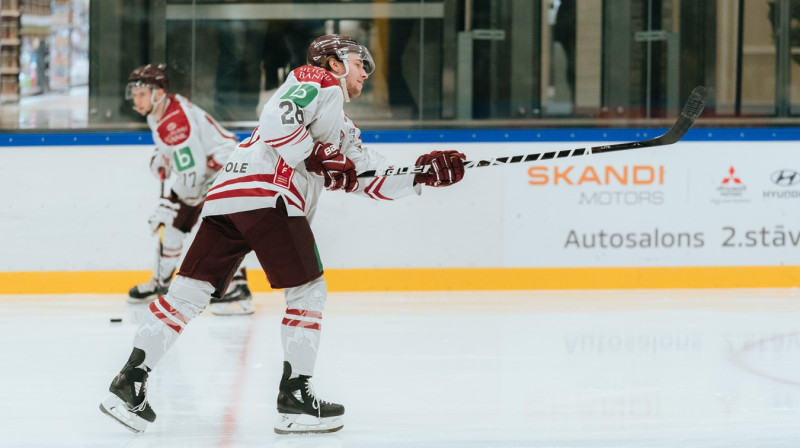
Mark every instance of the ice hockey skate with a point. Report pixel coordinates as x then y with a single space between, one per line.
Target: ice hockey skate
127 402
237 301
299 409
148 291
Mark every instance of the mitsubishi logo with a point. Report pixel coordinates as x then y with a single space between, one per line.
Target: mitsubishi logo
732 179
785 178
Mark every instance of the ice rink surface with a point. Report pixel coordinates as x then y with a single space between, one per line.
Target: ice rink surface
638 369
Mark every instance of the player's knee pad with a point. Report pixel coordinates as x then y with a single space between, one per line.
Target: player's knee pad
310 296
189 296
173 242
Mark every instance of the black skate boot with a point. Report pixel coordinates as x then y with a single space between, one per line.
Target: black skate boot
237 301
127 403
148 291
300 411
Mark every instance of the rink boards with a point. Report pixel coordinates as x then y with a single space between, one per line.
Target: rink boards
702 213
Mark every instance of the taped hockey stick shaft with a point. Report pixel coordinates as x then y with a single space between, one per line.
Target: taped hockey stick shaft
690 112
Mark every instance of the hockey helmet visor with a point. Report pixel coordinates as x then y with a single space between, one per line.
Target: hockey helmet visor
358 51
153 76
341 46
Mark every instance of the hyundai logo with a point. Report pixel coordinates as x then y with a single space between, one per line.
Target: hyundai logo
785 178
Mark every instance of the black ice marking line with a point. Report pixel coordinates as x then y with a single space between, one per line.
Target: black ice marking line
690 112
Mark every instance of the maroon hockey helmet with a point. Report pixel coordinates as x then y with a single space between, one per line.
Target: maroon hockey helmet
151 75
341 47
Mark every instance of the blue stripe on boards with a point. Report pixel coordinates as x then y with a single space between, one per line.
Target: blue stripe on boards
76 139
435 136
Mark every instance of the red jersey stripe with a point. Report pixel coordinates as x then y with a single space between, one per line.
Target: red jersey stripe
373 189
268 178
280 141
377 189
301 205
242 193
254 137
216 126
368 188
303 137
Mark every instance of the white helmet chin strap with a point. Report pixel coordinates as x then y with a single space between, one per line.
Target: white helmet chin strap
342 80
155 102
361 52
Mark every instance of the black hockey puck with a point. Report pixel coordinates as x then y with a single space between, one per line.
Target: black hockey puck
115 319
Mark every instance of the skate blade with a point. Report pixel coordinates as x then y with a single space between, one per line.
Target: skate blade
232 308
144 300
307 424
115 408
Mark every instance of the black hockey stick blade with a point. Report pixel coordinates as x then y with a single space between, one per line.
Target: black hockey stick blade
690 112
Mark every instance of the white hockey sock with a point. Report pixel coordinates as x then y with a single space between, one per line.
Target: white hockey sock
301 325
165 267
167 317
172 247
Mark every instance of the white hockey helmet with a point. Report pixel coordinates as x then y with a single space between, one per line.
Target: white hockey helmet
341 47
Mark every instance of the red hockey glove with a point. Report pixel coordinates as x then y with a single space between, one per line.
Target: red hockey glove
447 168
339 171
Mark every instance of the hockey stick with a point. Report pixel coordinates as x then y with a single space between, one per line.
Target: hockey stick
693 108
159 280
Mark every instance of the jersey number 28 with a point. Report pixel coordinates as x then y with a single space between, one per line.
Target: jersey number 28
291 113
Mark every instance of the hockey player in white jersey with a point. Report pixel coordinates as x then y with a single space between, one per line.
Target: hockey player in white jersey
263 201
191 148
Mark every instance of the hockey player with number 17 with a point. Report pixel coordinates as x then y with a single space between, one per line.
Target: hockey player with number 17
263 201
191 148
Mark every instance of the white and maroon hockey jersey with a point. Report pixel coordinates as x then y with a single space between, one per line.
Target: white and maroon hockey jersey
195 144
269 164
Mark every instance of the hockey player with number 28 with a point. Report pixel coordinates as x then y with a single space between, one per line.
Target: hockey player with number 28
193 146
263 201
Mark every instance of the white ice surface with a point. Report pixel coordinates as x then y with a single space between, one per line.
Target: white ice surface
638 369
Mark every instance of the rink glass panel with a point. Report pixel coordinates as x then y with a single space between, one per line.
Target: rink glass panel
457 63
